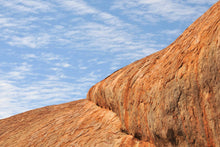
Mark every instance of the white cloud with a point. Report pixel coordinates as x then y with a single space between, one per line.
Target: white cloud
101 37
82 67
23 87
91 77
63 64
27 5
6 22
49 56
30 41
45 57
104 32
29 56
18 72
27 97
78 6
155 10
171 32
202 1
116 64
17 97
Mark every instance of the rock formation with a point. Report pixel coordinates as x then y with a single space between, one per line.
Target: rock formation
75 124
170 98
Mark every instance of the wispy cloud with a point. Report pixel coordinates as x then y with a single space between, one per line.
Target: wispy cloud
157 10
6 22
172 32
91 77
77 6
201 1
101 31
18 95
20 98
27 5
46 57
30 41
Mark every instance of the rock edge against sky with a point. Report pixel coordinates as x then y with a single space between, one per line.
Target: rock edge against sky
170 98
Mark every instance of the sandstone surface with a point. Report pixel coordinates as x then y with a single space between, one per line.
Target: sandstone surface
172 97
74 124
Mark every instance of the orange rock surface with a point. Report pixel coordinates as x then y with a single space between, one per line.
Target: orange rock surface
75 124
172 97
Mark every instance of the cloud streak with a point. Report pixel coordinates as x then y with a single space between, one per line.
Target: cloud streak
27 6
22 96
157 10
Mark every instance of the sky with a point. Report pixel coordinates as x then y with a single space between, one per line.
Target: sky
53 51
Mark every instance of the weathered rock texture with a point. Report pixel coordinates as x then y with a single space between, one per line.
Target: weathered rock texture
75 124
171 97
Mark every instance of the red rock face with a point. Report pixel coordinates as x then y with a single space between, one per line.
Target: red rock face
171 97
75 124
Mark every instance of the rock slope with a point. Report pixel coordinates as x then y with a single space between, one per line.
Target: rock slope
172 97
75 124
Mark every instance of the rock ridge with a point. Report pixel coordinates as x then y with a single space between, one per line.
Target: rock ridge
75 124
172 97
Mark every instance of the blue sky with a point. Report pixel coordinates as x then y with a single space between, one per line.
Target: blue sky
53 51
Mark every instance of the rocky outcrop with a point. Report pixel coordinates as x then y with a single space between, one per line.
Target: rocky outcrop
172 97
75 124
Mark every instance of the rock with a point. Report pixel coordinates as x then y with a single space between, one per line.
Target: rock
172 97
74 124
